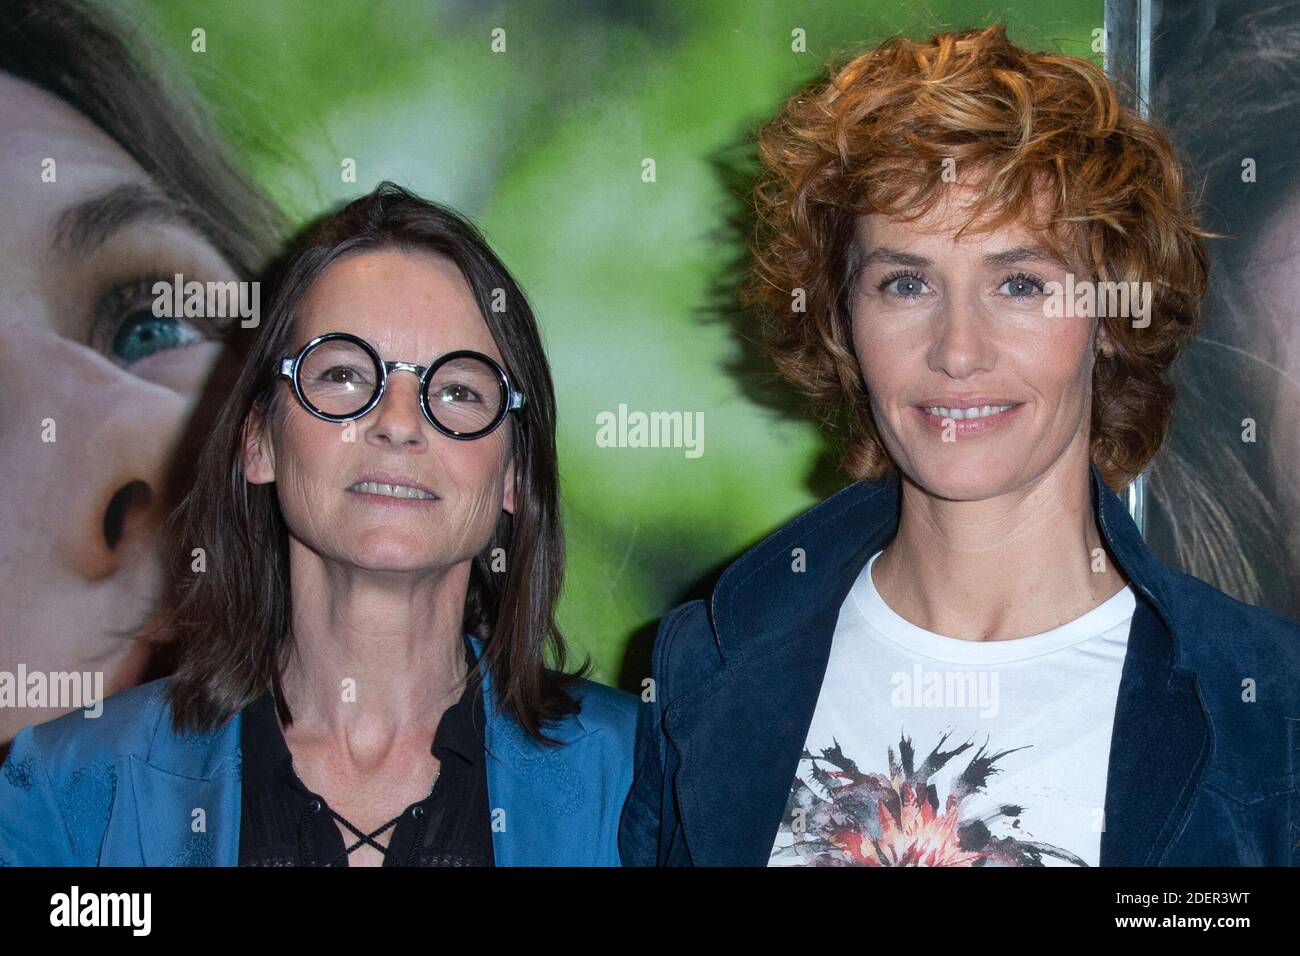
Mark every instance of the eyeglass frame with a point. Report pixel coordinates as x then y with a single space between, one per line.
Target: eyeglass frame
514 399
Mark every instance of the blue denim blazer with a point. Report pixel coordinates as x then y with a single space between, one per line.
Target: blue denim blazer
124 789
1197 774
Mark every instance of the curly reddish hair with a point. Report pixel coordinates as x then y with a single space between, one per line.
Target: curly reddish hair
1051 143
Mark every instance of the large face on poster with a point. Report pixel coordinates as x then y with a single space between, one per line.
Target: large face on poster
1226 496
114 190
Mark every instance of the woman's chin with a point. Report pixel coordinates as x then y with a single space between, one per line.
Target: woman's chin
963 477
393 560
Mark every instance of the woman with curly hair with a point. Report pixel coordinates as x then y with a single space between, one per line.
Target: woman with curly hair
978 266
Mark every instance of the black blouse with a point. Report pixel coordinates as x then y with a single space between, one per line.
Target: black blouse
285 824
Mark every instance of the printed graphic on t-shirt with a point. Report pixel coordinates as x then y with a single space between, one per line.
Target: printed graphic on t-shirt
841 815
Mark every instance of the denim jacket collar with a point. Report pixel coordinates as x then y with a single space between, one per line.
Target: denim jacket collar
753 598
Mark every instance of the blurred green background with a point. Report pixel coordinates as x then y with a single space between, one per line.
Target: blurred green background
633 282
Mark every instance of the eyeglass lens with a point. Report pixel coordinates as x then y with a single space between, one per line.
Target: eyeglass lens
338 377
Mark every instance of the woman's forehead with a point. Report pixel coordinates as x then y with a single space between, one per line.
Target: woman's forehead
965 203
937 235
414 304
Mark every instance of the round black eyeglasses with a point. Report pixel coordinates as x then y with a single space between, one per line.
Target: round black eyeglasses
340 377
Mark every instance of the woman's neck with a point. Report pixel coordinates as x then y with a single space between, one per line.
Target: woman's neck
376 658
1001 568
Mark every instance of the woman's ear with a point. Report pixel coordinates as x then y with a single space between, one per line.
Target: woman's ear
259 455
508 498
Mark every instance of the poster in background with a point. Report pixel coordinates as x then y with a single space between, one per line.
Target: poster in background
539 122
1225 491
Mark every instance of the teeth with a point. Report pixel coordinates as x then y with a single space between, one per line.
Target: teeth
392 491
957 414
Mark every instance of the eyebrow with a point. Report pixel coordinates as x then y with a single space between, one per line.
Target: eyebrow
1006 257
82 228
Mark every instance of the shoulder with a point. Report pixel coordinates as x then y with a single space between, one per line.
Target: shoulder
686 649
819 528
605 708
123 724
61 778
1220 632
134 723
1246 662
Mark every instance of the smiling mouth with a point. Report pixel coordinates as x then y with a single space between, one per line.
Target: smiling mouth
392 491
961 414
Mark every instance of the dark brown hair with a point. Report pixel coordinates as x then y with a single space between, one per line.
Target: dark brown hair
233 621
96 64
874 137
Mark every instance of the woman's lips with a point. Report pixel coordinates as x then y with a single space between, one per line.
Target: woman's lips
394 502
385 493
967 427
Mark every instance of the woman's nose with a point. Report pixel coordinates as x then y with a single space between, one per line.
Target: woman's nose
398 419
117 447
961 343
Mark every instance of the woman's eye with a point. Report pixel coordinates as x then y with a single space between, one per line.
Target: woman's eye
343 375
905 285
142 334
457 394
1021 286
125 316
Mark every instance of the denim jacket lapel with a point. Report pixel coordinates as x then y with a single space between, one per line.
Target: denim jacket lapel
533 790
739 736
1161 739
186 796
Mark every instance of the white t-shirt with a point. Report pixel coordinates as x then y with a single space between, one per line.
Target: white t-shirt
926 750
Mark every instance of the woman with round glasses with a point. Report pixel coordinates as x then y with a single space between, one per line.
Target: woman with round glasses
366 574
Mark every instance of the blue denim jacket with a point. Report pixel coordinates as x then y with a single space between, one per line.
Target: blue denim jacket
1199 774
124 789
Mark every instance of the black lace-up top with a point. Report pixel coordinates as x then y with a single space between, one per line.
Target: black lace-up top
285 824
